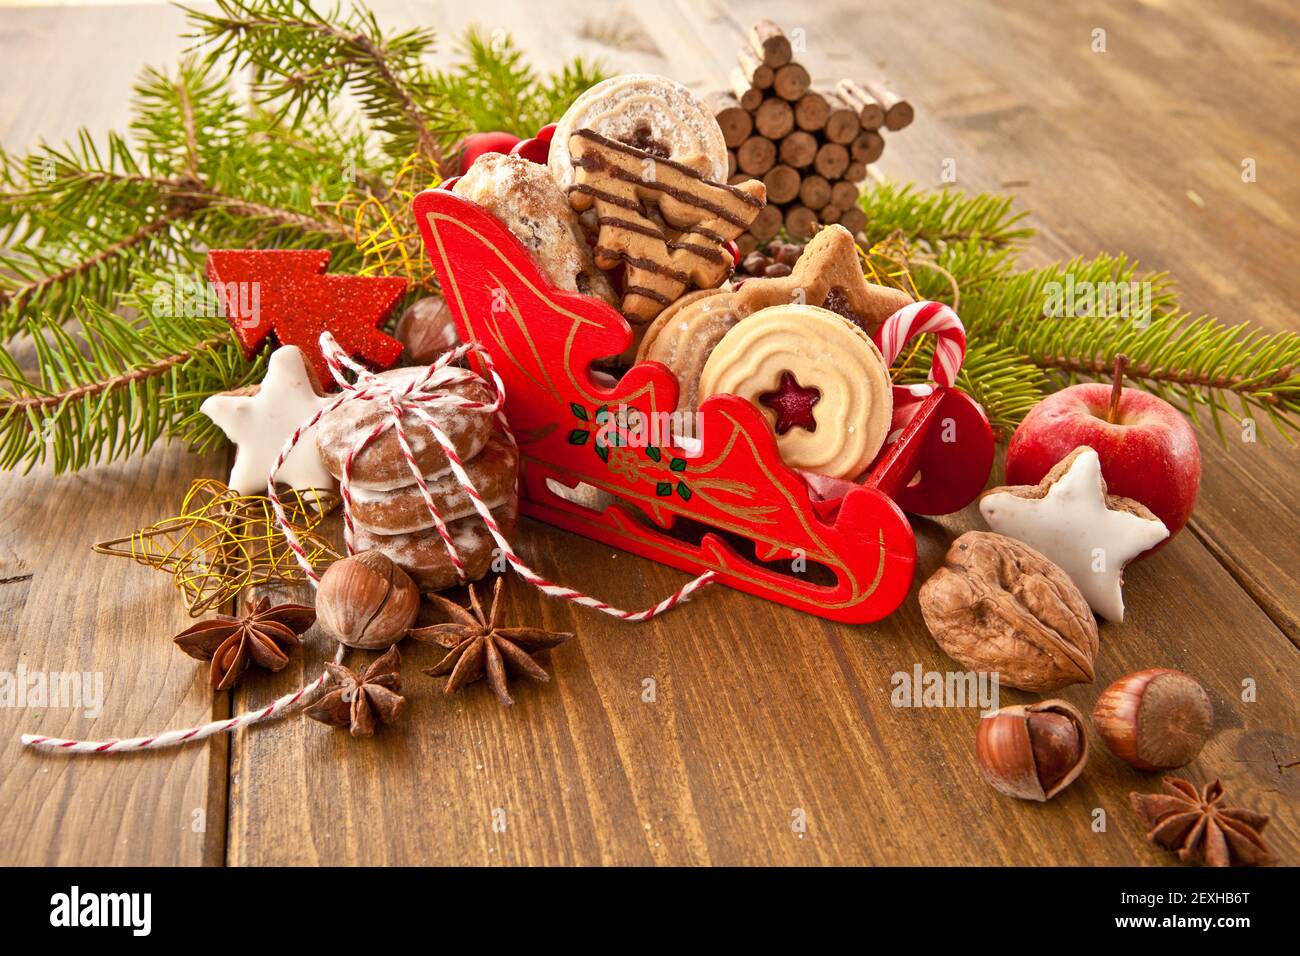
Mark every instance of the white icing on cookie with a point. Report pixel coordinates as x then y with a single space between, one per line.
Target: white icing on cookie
261 422
524 197
1072 526
636 106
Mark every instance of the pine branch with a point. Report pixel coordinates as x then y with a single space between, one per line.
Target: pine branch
114 389
305 59
1082 286
1199 364
494 87
944 216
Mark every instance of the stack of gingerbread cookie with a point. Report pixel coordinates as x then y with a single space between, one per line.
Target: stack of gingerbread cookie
389 512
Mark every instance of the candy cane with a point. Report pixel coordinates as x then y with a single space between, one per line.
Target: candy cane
918 319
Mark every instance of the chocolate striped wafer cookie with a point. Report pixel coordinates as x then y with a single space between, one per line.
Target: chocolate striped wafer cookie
662 261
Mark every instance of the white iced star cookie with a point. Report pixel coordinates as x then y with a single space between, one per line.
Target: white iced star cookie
260 419
1069 518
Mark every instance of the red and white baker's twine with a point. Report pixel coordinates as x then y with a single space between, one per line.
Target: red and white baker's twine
918 319
416 397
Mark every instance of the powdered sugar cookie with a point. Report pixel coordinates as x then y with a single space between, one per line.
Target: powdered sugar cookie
494 473
821 383
652 113
381 464
525 198
424 557
1069 518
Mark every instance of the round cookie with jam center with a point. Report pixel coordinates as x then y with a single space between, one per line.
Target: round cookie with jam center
381 466
819 380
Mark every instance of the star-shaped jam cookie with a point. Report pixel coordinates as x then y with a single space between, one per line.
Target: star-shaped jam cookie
828 274
792 403
1069 519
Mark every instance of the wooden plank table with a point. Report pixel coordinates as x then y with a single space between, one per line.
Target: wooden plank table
760 716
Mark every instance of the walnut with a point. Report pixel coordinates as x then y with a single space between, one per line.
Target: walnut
998 605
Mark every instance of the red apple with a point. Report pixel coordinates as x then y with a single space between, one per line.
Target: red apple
476 144
1148 451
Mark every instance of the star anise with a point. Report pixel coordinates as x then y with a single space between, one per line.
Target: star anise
358 701
1200 828
478 645
264 634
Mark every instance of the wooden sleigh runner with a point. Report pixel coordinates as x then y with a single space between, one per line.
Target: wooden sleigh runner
593 462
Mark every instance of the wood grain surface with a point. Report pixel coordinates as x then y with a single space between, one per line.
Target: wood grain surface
707 735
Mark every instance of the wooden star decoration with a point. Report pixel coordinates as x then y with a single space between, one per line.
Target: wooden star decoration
286 292
1069 518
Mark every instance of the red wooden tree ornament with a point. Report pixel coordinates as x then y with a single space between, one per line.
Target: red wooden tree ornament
286 291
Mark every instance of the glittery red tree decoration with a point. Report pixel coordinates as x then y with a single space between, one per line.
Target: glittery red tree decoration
793 404
286 291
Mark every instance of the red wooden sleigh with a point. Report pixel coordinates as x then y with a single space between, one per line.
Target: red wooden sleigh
730 505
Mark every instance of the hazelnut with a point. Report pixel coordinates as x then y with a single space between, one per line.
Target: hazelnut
427 329
1032 751
1155 719
366 601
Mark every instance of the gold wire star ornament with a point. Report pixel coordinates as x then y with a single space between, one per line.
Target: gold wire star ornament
223 542
383 230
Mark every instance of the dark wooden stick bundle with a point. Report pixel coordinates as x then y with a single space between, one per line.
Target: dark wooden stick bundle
767 223
844 193
756 155
799 221
736 122
811 147
782 184
769 44
815 191
810 112
798 149
747 94
791 82
867 148
842 125
898 112
854 219
870 113
757 72
774 118
832 160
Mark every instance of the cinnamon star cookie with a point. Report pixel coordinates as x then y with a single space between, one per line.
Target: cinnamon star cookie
1069 518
